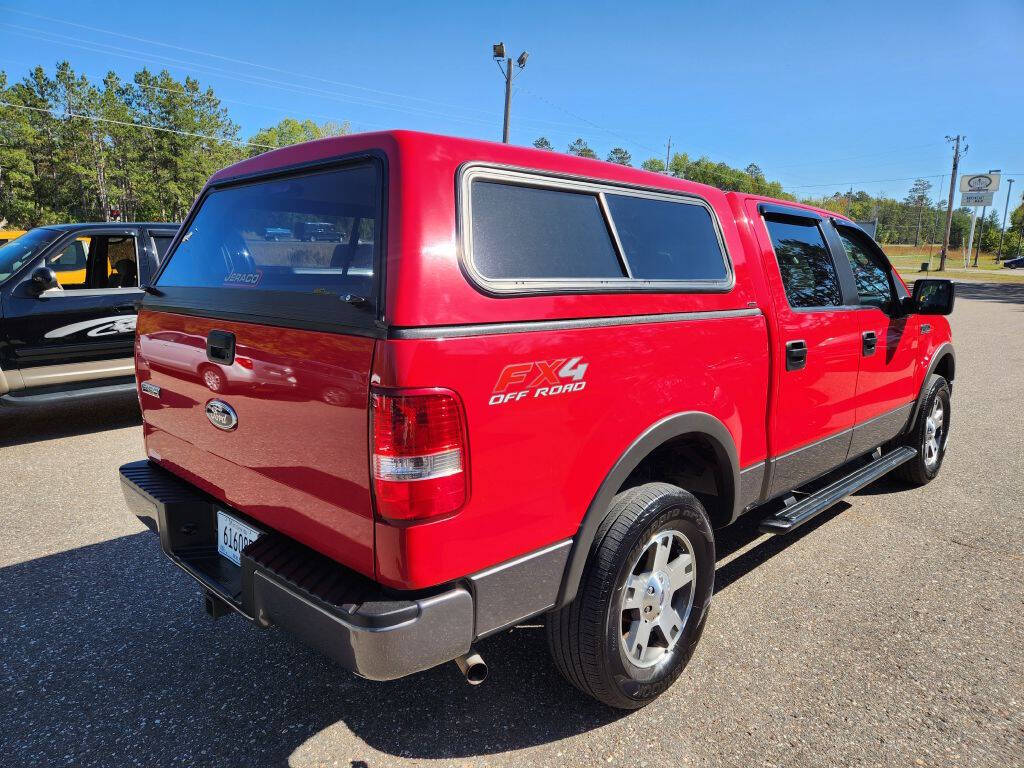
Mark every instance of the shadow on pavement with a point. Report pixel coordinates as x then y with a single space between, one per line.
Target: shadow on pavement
107 658
1008 293
29 424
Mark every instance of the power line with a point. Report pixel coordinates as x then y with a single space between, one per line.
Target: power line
229 59
51 112
868 181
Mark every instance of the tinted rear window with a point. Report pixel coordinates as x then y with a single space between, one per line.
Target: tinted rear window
665 240
311 237
807 269
532 233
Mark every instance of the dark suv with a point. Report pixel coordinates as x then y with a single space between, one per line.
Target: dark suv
69 295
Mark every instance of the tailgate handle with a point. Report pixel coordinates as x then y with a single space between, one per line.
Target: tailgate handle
220 347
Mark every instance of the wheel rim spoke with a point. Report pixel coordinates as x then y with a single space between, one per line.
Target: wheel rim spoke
662 552
671 623
634 592
680 571
638 638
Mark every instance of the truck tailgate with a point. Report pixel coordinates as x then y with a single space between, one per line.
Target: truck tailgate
297 458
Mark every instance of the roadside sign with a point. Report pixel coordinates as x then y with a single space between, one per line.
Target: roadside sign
968 199
979 182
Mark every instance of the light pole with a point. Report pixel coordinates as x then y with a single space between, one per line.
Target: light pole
499 54
999 250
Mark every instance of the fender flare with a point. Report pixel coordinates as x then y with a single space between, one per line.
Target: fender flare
677 425
945 349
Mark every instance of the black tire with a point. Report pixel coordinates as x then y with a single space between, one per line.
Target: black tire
920 470
586 637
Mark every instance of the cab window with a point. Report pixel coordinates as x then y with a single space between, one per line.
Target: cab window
874 286
808 272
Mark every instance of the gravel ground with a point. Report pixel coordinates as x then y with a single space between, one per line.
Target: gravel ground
887 632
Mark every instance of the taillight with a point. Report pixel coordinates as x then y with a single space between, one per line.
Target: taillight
419 453
245 362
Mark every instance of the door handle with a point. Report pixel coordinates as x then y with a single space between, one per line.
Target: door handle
220 347
869 342
796 355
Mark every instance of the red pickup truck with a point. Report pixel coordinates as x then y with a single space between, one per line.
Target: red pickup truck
515 383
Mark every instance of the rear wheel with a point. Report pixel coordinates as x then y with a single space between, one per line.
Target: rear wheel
643 598
929 433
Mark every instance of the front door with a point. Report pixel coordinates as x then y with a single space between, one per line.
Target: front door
889 344
85 328
817 348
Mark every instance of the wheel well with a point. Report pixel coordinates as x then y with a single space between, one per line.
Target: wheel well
696 463
946 367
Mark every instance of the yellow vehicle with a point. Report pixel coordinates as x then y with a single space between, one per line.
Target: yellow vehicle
6 235
70 263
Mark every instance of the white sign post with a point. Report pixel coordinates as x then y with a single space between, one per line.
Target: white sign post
977 189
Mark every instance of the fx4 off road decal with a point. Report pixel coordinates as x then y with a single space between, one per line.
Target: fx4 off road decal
541 378
98 326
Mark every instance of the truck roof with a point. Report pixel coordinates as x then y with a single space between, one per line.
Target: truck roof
110 225
449 147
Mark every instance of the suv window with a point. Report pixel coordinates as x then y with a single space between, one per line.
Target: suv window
70 263
310 234
808 272
161 243
534 233
122 263
872 278
666 240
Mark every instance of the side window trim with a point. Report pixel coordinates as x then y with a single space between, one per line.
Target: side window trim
527 177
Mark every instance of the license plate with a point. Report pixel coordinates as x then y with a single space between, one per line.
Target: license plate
233 536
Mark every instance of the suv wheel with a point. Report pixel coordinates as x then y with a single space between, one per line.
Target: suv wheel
643 598
929 433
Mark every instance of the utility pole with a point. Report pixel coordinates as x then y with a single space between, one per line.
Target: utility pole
1002 232
949 205
668 151
499 54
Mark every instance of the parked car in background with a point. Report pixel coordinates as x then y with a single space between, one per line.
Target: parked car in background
277 233
1015 263
317 230
569 374
6 235
68 301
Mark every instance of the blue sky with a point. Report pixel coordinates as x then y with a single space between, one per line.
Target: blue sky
819 96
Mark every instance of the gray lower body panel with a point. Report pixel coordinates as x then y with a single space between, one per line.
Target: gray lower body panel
881 429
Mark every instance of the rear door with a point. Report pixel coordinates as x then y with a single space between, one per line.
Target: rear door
84 329
279 334
817 347
889 343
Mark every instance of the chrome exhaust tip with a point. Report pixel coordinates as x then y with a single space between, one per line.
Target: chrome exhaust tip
473 667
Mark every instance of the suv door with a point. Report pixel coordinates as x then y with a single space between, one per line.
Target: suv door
817 343
85 328
889 343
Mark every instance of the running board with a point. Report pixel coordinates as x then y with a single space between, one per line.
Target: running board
809 507
66 393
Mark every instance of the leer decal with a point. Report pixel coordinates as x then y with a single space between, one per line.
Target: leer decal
540 378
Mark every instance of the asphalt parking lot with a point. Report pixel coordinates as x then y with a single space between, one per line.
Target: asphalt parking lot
890 631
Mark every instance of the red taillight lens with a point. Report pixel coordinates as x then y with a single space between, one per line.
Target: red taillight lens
245 362
419 454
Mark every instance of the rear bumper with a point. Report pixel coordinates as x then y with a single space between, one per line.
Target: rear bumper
377 633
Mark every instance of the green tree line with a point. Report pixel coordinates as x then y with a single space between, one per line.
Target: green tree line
76 150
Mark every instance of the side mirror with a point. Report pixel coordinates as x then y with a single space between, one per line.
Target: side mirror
932 297
43 279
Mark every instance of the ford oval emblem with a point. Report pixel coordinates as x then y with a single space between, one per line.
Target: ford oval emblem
221 415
